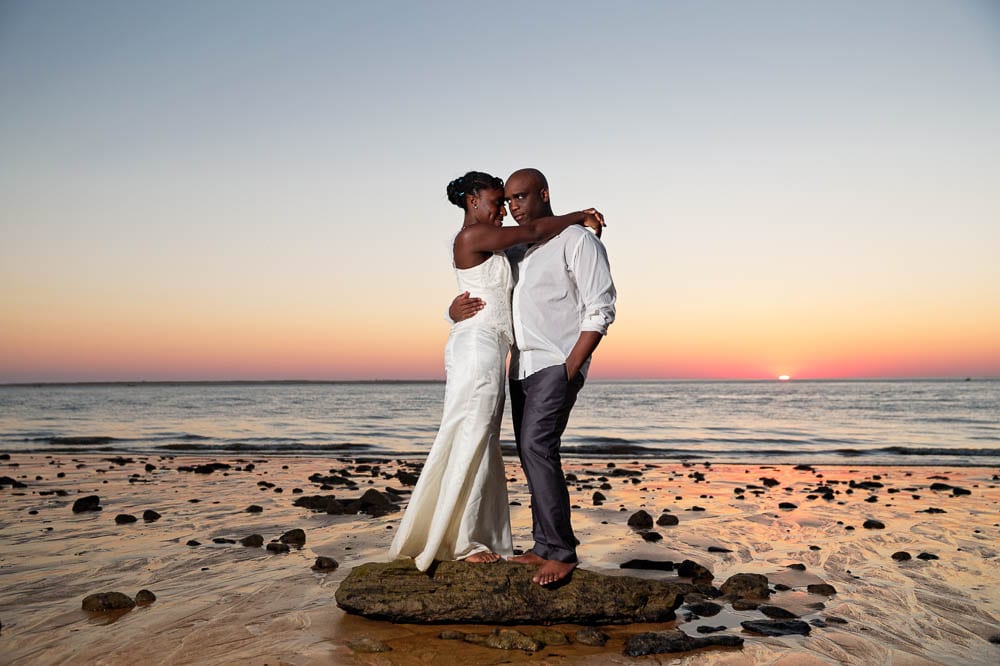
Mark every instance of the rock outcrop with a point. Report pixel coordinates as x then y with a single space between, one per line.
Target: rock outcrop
674 640
503 593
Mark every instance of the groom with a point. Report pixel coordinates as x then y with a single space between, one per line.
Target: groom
563 303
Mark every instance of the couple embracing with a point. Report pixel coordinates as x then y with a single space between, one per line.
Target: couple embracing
542 291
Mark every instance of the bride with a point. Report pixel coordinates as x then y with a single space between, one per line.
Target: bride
459 507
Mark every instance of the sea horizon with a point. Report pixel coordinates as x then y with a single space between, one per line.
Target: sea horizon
377 380
948 421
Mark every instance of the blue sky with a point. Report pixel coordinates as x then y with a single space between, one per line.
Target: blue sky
804 172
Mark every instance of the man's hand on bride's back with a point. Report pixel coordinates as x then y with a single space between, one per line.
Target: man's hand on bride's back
465 306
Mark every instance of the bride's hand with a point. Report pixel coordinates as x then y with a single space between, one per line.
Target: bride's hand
594 221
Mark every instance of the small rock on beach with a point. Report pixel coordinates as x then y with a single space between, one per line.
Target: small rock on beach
107 601
776 627
88 503
144 597
674 640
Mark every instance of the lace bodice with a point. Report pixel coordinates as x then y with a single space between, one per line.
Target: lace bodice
492 282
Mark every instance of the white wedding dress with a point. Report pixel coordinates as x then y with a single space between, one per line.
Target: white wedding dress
459 505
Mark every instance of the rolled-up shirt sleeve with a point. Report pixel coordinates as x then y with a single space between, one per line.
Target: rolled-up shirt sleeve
596 288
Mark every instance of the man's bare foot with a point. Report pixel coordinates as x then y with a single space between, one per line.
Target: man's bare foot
527 558
483 556
552 571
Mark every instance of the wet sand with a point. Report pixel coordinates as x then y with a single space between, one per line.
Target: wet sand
226 603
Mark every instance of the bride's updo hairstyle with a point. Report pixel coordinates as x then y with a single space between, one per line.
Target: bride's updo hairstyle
471 183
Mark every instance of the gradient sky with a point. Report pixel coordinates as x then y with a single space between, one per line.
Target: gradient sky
256 190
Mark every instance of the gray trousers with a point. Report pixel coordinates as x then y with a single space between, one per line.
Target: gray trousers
540 405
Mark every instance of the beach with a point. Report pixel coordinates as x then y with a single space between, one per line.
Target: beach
222 602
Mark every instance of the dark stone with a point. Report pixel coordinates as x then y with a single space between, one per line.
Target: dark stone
640 520
652 537
599 498
777 612
746 585
253 508
704 608
294 537
872 524
144 597
591 636
798 566
207 468
770 483
88 503
654 565
932 509
253 541
107 601
835 620
502 593
901 556
193 543
150 516
277 547
325 564
955 490
150 467
372 503
927 556
511 639
787 505
705 629
666 520
776 627
368 645
718 549
124 519
12 482
406 478
674 640
824 589
694 571
547 636
223 540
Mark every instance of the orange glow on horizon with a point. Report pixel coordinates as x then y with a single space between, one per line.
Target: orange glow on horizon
254 343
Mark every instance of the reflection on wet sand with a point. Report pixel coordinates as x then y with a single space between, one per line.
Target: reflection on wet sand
226 603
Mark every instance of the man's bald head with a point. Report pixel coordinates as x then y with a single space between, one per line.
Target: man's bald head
528 193
534 176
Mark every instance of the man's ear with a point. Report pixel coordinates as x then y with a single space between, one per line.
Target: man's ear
545 194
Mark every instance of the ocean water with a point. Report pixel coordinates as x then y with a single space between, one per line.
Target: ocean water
953 423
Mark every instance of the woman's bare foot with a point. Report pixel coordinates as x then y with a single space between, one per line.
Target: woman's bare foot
552 571
483 556
527 558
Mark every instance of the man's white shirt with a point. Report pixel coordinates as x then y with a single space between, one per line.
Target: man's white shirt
561 288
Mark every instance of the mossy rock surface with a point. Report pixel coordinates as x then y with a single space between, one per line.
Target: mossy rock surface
503 593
